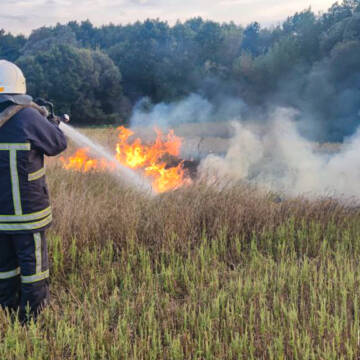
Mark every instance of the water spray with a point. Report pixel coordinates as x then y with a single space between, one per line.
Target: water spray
129 176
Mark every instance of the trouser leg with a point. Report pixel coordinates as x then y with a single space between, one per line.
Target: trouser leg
31 250
9 274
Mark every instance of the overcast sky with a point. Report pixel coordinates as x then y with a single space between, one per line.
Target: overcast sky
21 16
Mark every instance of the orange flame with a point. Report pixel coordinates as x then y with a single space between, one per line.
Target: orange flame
81 161
147 159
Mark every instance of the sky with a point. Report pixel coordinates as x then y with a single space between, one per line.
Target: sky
21 16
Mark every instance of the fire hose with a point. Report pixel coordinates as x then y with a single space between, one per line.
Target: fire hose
45 108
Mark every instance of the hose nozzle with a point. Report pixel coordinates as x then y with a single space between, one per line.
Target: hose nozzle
52 117
65 118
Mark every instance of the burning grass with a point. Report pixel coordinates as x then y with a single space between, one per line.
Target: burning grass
197 273
147 159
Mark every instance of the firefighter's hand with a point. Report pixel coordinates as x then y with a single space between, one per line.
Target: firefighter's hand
58 119
54 119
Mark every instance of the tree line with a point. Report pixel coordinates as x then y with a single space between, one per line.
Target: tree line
310 62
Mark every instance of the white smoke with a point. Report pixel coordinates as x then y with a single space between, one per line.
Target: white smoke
192 109
278 158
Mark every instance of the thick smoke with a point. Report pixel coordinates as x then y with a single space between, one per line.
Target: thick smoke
267 150
278 158
192 109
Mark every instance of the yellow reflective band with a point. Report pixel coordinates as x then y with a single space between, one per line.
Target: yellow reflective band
26 226
9 274
38 259
15 182
35 278
15 187
15 146
36 175
26 217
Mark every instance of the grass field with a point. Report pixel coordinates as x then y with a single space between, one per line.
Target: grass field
200 273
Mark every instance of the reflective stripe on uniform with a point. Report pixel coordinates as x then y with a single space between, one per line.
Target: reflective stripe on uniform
26 226
36 175
27 217
39 274
15 187
15 146
15 182
34 278
38 259
9 274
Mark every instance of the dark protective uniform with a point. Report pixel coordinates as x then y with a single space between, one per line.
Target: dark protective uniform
25 210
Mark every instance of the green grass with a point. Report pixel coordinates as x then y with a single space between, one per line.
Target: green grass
134 304
137 305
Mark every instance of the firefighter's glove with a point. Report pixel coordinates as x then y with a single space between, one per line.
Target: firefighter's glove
54 119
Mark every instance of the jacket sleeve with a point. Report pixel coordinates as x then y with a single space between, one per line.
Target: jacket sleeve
44 136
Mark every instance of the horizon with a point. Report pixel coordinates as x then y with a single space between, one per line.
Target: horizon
24 16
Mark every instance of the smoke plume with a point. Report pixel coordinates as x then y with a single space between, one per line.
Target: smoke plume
278 158
268 150
193 109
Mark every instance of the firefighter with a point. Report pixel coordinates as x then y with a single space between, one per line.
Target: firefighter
26 135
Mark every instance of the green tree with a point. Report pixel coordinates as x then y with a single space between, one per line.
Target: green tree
83 83
46 37
10 46
251 39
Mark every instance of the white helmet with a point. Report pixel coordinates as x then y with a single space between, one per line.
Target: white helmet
12 80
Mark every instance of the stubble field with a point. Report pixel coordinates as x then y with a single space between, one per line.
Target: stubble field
204 272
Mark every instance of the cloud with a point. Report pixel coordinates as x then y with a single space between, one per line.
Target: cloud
24 15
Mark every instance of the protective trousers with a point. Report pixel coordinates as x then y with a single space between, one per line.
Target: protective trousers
24 272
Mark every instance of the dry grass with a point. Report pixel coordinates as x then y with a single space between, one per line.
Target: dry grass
96 206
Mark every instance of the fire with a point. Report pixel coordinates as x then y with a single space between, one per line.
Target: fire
81 161
149 159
